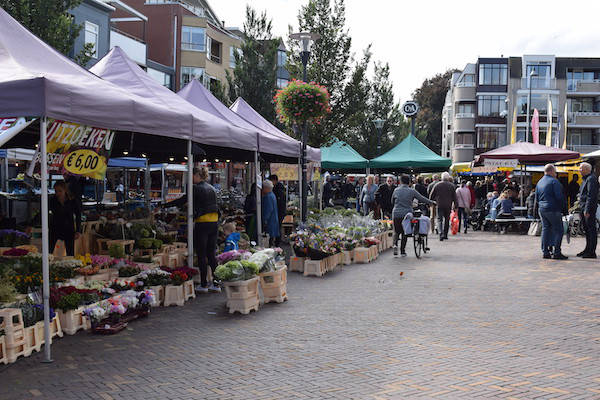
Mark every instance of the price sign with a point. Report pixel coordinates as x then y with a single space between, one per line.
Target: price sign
410 108
84 162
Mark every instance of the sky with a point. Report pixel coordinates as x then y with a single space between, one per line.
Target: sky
422 38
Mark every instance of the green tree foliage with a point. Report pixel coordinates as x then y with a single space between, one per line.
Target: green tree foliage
431 97
330 61
254 75
49 20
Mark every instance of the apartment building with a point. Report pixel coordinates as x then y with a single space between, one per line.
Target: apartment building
483 99
185 37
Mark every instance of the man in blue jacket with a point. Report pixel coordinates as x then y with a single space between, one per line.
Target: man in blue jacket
551 202
588 203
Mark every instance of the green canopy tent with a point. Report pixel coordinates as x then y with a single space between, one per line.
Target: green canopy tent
341 156
411 155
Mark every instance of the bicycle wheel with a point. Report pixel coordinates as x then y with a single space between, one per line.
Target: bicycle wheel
417 244
424 239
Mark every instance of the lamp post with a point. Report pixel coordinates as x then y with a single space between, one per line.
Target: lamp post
531 74
379 126
305 39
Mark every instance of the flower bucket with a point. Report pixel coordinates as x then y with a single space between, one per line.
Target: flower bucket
274 285
242 296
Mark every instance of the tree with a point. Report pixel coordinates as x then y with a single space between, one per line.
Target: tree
330 60
50 21
254 75
431 97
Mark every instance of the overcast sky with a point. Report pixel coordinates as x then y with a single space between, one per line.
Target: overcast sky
424 37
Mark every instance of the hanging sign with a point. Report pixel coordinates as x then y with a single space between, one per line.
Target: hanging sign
501 163
410 108
9 127
285 172
76 149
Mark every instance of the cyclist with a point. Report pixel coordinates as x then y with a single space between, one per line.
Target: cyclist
402 199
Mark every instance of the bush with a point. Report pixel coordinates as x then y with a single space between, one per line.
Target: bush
116 251
69 302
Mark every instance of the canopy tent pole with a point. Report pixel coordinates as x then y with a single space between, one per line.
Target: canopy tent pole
5 184
190 205
147 184
45 245
258 178
162 176
300 186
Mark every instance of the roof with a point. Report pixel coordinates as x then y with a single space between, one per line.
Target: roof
411 155
340 155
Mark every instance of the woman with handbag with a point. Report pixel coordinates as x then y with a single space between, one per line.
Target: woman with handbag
463 197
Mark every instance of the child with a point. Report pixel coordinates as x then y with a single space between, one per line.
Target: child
232 237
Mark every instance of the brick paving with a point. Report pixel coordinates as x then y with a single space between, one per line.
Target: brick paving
482 316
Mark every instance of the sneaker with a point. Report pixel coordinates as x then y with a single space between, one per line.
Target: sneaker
560 256
547 256
201 289
403 254
395 250
589 255
214 289
581 254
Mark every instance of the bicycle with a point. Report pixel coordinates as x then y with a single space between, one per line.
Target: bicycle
419 239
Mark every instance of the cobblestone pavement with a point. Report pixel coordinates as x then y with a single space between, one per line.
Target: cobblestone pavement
482 316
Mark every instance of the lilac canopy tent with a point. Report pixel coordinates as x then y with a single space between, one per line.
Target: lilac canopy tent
530 153
120 70
37 81
242 108
201 97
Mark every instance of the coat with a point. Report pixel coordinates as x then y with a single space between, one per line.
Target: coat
588 194
270 218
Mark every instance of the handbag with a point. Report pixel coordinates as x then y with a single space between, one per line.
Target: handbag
535 228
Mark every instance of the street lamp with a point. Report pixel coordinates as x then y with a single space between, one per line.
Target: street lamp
379 126
531 75
306 39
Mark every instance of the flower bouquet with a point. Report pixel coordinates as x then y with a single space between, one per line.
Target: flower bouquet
301 102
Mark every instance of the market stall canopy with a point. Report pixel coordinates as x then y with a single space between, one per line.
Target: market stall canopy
36 80
127 162
243 109
17 154
411 155
169 167
197 94
207 129
527 152
593 154
342 156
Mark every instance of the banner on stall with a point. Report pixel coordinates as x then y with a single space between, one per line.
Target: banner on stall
285 172
75 149
501 163
10 126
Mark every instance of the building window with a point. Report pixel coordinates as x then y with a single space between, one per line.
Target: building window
467 80
281 58
541 80
465 109
487 137
463 138
538 101
193 38
493 74
232 51
582 104
281 83
161 77
574 76
491 106
189 73
91 36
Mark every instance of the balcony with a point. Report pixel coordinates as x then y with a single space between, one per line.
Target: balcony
582 118
132 46
537 82
462 93
583 148
464 124
584 87
463 153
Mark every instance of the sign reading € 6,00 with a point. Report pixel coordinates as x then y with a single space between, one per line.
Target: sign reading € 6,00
77 149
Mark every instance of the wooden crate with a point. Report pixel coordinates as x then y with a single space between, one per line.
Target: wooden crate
14 333
188 290
347 256
297 264
315 267
73 320
362 255
174 295
242 296
274 285
3 358
159 295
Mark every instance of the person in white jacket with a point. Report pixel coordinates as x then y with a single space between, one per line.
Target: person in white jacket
463 198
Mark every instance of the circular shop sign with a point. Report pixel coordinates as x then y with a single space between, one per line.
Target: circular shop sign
410 108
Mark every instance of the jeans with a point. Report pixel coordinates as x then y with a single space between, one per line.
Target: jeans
399 231
443 215
205 245
463 217
591 233
552 231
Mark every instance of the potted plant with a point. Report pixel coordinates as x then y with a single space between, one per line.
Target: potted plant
301 102
241 285
156 280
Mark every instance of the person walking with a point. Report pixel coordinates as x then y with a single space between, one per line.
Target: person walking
327 192
358 190
551 202
279 192
403 198
444 194
270 219
367 195
250 211
588 203
432 209
383 196
64 221
463 195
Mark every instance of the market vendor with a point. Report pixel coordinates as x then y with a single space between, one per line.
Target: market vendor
64 218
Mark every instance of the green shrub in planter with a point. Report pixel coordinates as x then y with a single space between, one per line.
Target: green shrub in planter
69 302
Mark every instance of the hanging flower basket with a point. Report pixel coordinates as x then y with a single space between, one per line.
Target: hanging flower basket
301 102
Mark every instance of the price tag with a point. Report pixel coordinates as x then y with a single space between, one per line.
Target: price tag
84 162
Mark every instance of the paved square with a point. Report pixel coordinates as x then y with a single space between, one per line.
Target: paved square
482 316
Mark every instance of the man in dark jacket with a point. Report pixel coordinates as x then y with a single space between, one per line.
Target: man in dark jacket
572 191
588 203
383 196
327 192
551 202
444 194
279 192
